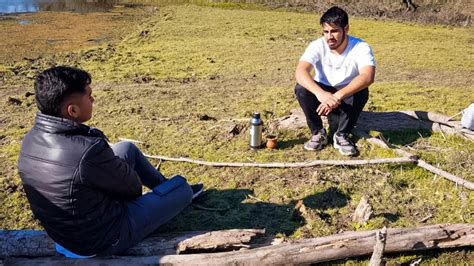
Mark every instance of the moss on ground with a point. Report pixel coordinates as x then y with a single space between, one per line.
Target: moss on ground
186 78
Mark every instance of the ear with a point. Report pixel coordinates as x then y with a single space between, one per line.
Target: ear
346 28
73 111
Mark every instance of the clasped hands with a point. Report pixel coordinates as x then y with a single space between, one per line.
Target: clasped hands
328 102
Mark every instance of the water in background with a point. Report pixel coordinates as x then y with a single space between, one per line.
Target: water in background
84 6
80 6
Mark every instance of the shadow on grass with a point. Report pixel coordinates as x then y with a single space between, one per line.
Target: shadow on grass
291 143
397 127
237 214
329 199
406 136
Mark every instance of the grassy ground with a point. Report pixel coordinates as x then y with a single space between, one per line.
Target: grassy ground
182 65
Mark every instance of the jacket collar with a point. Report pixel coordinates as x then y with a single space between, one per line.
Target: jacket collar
59 125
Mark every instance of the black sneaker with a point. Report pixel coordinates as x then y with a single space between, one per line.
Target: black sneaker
344 145
197 189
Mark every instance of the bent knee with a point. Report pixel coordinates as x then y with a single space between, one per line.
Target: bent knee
302 92
124 147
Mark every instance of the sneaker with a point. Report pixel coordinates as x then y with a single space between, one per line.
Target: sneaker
344 145
197 189
317 141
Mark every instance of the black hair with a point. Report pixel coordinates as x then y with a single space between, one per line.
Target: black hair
335 15
53 85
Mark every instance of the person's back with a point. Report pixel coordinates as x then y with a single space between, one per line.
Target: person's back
87 194
53 167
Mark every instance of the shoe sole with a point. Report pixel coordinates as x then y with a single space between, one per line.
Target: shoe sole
338 148
318 149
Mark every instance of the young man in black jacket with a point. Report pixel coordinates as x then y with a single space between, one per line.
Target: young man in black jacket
87 194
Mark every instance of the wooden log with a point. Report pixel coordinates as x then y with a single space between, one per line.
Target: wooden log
33 243
334 247
382 121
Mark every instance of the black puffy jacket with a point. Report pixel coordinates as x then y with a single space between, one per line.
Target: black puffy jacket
75 184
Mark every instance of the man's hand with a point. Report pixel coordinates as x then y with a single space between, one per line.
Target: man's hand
323 109
328 102
328 98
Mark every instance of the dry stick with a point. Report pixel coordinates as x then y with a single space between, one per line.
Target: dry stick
420 163
279 165
286 165
379 248
453 116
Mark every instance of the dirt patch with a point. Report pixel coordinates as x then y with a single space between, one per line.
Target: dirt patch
47 33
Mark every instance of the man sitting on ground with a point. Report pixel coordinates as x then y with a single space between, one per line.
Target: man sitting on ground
87 194
344 67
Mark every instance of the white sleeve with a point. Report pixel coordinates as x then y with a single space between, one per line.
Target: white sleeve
365 57
312 53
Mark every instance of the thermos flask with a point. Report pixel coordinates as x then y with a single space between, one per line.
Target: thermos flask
256 125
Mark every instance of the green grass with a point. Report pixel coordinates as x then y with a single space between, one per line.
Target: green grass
185 62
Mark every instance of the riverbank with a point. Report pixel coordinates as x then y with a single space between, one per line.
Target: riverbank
33 35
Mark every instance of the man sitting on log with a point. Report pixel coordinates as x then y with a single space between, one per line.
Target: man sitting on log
87 194
344 67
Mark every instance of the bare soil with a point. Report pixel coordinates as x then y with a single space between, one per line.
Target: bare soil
48 33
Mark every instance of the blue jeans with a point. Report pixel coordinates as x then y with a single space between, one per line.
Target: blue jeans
145 214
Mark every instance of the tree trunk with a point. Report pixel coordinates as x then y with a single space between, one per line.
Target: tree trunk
334 247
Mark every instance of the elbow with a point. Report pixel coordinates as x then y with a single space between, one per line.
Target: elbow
369 79
296 76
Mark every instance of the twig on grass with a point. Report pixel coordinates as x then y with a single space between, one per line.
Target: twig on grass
254 198
132 140
453 116
199 206
429 216
420 163
286 165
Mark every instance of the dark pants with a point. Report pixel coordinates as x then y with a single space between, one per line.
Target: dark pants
348 111
148 212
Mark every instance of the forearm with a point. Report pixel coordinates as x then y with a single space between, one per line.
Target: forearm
357 84
305 79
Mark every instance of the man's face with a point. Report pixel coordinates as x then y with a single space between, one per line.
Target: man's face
85 105
82 102
334 35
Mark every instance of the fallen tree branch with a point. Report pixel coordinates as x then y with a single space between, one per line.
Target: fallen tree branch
381 239
334 247
34 243
285 165
420 163
399 120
